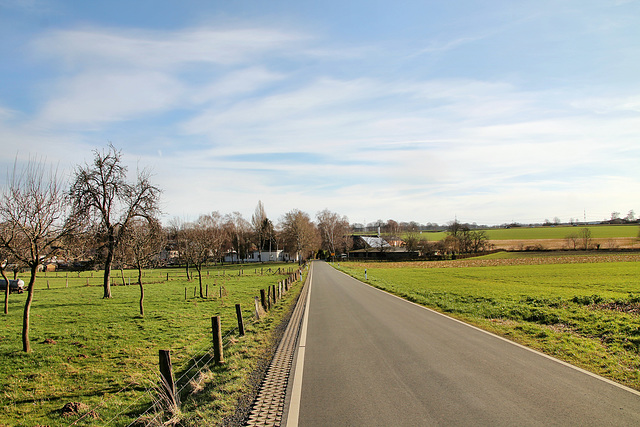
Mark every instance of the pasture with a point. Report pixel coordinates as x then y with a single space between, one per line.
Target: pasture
541 233
581 309
102 354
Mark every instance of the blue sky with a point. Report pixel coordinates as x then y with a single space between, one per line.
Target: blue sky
488 111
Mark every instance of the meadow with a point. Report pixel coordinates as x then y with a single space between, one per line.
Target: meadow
584 310
556 232
101 354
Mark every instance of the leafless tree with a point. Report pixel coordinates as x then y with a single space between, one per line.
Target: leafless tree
392 227
33 209
238 230
143 239
585 236
572 240
300 233
259 222
5 257
178 232
102 195
205 241
333 228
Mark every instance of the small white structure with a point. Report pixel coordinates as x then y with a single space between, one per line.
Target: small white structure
257 256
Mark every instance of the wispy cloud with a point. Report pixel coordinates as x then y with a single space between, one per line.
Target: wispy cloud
229 115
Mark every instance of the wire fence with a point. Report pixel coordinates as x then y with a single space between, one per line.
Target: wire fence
190 370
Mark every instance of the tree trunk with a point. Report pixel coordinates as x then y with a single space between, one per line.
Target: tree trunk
6 294
122 275
26 345
188 276
107 268
141 291
199 269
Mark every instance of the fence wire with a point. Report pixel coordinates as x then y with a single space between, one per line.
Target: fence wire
199 362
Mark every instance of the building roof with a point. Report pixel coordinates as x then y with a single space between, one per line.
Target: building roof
375 242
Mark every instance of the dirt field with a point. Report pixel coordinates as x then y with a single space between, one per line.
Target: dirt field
547 244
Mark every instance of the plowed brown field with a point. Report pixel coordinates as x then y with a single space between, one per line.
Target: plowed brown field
554 244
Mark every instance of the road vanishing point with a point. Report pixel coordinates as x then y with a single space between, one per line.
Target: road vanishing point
368 358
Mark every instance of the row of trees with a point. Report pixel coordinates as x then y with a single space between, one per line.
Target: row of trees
106 218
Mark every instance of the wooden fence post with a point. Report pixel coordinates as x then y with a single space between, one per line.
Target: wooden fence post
218 357
263 299
166 372
240 321
256 303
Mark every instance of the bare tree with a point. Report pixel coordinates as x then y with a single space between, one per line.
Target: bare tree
205 240
258 222
33 212
238 230
585 236
143 239
333 228
179 235
631 216
392 227
4 263
572 240
300 233
102 195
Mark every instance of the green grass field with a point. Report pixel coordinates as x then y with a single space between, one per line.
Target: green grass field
103 354
560 232
586 313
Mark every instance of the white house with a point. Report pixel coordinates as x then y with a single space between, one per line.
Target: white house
264 256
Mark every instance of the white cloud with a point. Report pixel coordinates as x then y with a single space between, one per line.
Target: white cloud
155 49
93 98
412 149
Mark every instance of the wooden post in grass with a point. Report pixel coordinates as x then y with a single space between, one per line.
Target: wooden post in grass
167 277
206 293
185 294
166 372
195 288
263 299
218 357
256 303
275 295
240 321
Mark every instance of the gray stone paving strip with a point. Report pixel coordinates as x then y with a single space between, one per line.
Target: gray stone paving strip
268 407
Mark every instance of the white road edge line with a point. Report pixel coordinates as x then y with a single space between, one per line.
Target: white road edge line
562 362
296 390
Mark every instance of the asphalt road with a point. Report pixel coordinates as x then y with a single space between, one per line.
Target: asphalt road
371 359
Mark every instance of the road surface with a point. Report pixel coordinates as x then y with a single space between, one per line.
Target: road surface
368 358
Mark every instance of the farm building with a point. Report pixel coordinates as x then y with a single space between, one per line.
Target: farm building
264 256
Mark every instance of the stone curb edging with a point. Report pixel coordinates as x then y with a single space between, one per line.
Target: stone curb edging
268 408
